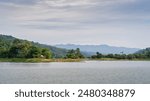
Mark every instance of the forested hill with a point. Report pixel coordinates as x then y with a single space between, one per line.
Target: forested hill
7 41
144 52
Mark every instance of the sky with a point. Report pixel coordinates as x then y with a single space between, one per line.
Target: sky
92 22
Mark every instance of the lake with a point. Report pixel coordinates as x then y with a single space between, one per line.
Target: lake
87 72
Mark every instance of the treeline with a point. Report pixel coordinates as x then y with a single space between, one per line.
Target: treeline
7 41
74 54
22 49
143 54
11 47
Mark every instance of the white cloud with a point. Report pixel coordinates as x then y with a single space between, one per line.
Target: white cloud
78 21
62 3
65 9
68 11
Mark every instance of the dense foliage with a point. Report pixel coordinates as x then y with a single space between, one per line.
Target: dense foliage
15 48
74 54
145 53
142 54
56 52
9 47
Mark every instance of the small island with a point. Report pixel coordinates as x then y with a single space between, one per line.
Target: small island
17 50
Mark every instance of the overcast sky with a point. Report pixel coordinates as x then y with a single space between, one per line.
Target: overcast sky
113 22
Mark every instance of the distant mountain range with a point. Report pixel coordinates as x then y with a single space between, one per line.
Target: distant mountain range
104 49
61 49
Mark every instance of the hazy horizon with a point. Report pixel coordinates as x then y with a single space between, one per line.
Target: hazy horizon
121 23
71 43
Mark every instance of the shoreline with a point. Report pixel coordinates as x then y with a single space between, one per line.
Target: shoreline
40 60
113 59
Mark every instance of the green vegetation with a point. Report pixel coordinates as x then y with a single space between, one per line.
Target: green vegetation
8 42
56 52
140 55
37 60
23 49
74 54
17 50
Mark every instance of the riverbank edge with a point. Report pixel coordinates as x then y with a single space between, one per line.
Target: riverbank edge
38 60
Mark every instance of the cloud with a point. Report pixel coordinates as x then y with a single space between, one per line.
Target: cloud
95 19
19 2
67 13
64 3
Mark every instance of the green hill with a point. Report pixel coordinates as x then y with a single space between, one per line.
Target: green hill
145 53
6 43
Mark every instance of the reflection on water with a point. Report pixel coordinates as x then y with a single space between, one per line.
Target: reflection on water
91 72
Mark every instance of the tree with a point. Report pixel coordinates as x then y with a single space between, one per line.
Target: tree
46 53
99 55
130 56
74 54
24 49
19 49
4 53
78 53
34 52
110 56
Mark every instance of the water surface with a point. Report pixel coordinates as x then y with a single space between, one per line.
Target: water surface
88 72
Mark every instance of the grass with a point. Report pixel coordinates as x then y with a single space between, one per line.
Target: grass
114 59
36 60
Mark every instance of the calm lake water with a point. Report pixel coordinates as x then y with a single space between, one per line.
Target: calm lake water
88 72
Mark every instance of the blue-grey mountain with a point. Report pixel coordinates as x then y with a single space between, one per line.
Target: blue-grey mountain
104 49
